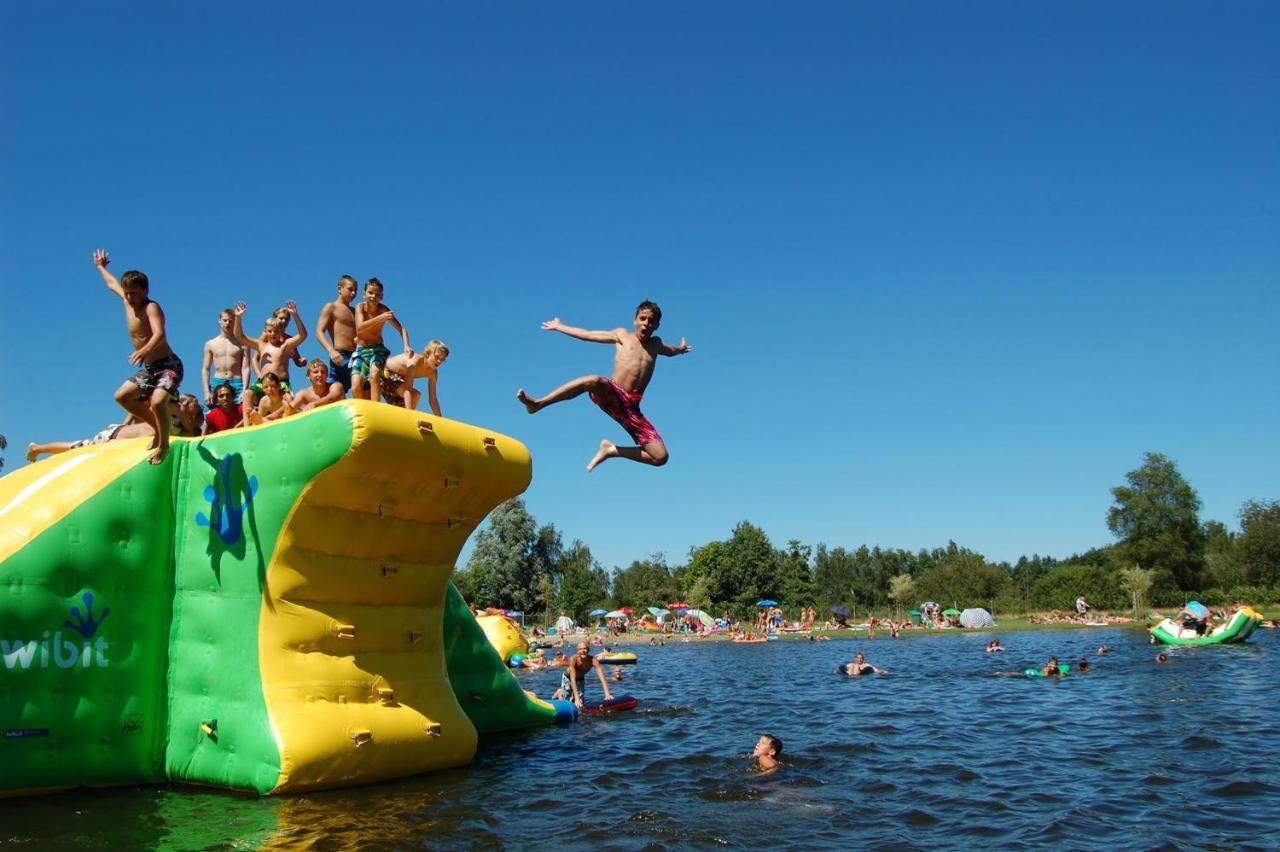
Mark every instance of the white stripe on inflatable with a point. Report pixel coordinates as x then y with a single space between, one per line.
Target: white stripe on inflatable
34 488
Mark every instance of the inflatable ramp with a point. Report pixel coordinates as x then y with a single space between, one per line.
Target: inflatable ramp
268 610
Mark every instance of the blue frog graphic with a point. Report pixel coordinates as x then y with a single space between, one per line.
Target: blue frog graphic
86 625
226 520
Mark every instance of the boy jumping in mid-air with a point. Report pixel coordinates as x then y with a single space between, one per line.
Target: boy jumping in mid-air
146 393
619 397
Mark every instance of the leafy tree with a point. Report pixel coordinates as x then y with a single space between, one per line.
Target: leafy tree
752 564
583 584
1059 588
510 557
834 572
1136 582
1156 519
1224 569
1260 542
796 580
901 587
963 578
645 582
707 565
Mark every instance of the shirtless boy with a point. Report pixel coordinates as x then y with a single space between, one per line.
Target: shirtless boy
145 394
579 664
766 752
322 390
619 397
274 352
401 370
274 405
183 417
371 355
226 358
281 315
336 329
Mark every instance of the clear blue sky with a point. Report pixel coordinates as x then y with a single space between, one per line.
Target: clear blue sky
949 269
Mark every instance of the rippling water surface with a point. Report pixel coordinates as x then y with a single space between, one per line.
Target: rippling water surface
939 754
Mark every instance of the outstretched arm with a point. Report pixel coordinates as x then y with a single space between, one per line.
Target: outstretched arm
668 349
100 260
404 333
237 327
604 682
554 324
292 344
364 325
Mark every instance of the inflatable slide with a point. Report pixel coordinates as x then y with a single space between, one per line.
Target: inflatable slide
267 610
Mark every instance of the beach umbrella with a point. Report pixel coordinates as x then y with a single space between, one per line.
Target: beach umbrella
840 611
596 612
626 610
1197 609
976 617
766 603
655 610
951 612
617 613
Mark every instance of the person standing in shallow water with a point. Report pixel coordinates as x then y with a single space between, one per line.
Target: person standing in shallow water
635 354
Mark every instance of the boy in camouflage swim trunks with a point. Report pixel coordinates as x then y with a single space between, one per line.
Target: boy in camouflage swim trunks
634 357
370 359
146 393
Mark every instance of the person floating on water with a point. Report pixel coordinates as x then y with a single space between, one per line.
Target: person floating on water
579 664
993 646
635 354
1051 668
859 667
766 753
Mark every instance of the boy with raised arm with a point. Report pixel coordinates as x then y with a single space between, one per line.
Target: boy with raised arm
371 355
273 354
226 358
322 390
336 329
635 353
397 380
146 393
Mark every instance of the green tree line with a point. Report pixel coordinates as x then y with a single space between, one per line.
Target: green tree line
1162 556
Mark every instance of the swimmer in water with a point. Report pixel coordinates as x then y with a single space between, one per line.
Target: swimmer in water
1083 667
1161 659
859 667
1051 668
1102 649
993 646
766 752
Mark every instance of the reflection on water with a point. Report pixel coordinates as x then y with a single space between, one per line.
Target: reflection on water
940 753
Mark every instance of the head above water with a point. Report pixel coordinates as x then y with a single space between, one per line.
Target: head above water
767 746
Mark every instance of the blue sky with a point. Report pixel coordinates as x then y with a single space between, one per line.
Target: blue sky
948 269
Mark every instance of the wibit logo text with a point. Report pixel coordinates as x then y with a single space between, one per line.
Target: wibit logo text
64 651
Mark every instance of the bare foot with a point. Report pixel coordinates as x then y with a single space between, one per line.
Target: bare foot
160 453
31 452
607 450
531 405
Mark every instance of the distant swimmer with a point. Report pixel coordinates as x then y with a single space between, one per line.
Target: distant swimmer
1102 649
1161 659
859 667
1083 667
993 646
766 753
1051 668
635 355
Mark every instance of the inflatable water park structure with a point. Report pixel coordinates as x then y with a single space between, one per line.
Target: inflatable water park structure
268 610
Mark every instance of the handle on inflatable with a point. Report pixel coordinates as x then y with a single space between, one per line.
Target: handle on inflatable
361 737
344 631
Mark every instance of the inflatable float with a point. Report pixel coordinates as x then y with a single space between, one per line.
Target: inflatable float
1237 629
504 635
268 610
617 659
616 704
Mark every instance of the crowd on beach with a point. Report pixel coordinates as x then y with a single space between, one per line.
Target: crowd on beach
245 380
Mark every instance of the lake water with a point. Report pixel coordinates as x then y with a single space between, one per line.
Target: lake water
940 754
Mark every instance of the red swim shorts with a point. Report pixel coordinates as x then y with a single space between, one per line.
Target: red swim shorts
624 407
